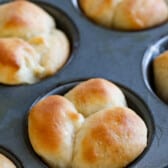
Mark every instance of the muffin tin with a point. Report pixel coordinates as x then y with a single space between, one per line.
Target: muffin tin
122 57
5 152
152 52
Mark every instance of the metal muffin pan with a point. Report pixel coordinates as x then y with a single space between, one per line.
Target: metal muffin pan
152 52
114 55
11 157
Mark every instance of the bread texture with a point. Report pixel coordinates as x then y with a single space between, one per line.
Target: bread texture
19 62
5 162
53 50
140 14
111 138
100 11
94 95
52 125
126 14
37 47
24 19
160 69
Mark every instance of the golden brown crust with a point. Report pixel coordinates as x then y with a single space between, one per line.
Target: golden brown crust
11 51
110 138
24 19
100 11
160 66
126 14
51 125
94 95
19 62
140 14
5 162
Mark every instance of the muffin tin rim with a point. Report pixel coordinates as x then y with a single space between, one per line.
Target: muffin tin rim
147 59
11 156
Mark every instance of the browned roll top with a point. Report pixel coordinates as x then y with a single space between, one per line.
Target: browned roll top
126 14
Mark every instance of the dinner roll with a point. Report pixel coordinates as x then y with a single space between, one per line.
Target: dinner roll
140 14
100 11
19 62
111 138
24 19
52 124
5 162
94 95
53 49
160 69
126 14
42 50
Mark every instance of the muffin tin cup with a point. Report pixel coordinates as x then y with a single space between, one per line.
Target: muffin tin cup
151 53
110 54
11 157
134 102
65 24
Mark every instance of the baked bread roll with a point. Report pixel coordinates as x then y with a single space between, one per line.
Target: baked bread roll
5 162
160 69
111 138
52 124
19 62
100 11
38 49
140 14
24 19
126 14
94 95
53 49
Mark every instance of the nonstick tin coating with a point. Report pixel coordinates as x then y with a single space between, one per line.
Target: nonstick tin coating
111 54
